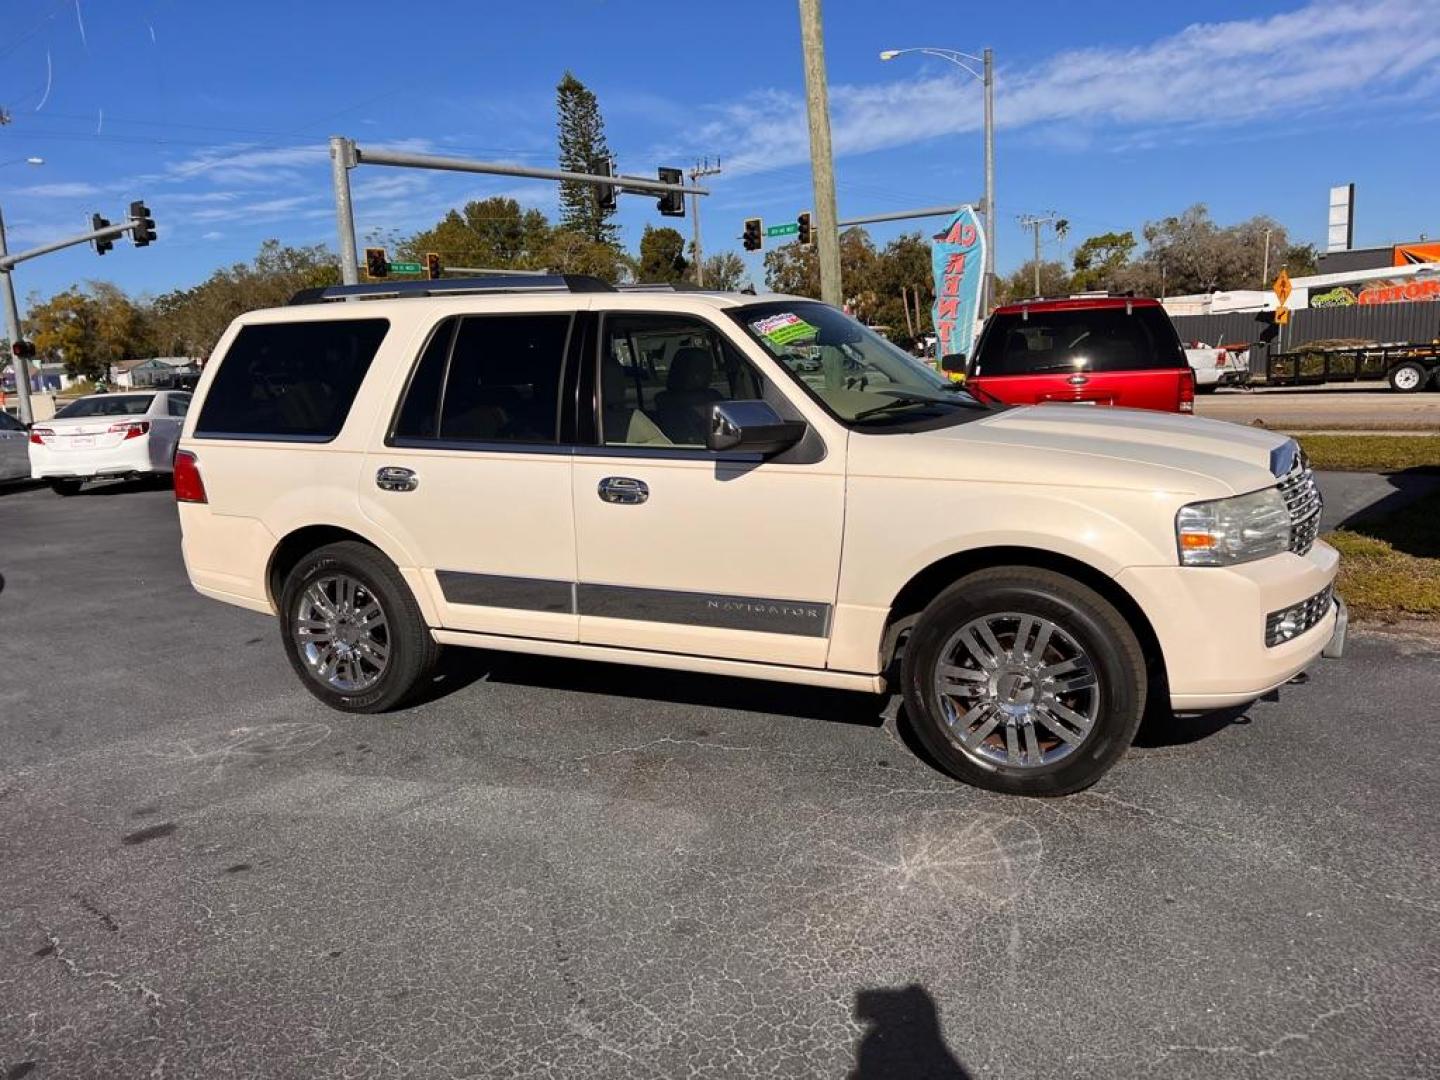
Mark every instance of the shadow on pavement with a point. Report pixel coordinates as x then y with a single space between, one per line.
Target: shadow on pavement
902 1039
460 667
1405 518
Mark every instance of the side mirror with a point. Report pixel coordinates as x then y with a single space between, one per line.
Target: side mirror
953 362
751 427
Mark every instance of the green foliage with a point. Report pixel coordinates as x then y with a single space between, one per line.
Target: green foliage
188 322
1100 260
662 255
724 271
492 233
582 146
1054 281
89 329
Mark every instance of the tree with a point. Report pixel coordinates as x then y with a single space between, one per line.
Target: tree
582 148
903 264
1100 260
493 233
570 253
725 271
188 322
791 268
1054 281
64 328
662 255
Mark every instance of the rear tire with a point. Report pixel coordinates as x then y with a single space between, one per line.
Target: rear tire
352 630
1408 378
1044 682
66 487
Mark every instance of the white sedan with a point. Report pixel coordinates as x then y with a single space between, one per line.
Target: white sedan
108 435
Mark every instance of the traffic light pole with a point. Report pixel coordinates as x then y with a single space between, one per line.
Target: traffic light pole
12 330
345 155
8 263
822 159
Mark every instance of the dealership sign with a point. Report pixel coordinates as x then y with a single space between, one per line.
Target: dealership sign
958 258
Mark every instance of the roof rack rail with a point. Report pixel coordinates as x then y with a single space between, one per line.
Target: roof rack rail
512 283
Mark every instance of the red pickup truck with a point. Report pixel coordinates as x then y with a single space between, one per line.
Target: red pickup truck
1088 350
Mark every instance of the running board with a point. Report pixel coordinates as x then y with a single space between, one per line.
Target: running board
706 665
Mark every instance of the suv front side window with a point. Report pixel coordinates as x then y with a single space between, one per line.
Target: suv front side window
659 375
488 378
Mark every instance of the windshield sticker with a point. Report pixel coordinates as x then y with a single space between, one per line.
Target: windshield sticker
784 328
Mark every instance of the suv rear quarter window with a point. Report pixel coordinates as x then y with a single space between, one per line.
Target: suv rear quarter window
1079 339
290 381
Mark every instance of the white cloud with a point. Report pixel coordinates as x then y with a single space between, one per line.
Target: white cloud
220 235
71 190
1211 75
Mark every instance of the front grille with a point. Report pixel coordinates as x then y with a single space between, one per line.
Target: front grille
1291 622
1302 499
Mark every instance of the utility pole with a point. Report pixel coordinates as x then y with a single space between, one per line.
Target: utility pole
342 160
12 327
987 296
822 160
1035 221
699 171
1265 272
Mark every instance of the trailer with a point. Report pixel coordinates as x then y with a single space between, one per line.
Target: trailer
1406 366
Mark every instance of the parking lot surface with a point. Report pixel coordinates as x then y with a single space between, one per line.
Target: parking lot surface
556 869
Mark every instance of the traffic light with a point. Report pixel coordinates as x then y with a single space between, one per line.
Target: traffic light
23 350
432 266
97 222
672 203
753 238
376 264
604 193
144 230
804 237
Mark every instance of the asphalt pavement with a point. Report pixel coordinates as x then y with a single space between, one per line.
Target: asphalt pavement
559 869
1332 407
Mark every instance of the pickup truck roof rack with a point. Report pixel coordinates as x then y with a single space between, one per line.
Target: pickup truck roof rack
499 283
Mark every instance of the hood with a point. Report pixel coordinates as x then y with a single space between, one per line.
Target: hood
1092 446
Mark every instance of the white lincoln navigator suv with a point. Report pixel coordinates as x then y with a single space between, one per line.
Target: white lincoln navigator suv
743 485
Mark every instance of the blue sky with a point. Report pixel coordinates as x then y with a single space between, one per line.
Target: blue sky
1109 113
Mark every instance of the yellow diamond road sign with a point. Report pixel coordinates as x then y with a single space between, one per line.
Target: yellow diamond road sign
1282 287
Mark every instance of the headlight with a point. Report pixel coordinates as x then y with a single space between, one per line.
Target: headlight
1234 530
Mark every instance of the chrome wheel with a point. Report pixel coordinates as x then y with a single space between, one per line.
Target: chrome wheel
341 633
1016 690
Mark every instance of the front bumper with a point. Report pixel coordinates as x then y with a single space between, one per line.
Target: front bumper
1210 622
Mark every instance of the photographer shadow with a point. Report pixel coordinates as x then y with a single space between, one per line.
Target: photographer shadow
902 1040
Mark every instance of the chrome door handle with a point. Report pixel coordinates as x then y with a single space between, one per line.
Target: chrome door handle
395 478
1077 380
623 490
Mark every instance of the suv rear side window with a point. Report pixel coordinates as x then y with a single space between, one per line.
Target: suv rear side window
488 378
293 381
1082 339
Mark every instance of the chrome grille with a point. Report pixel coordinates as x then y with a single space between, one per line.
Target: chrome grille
1302 499
1291 622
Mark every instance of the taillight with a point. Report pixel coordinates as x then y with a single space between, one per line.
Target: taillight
38 435
189 486
133 429
1187 392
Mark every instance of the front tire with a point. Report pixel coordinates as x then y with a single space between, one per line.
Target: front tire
352 629
65 487
1024 681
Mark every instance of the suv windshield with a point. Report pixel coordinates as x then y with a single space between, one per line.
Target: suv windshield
1079 339
108 405
855 373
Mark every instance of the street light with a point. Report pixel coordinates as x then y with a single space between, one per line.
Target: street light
986 76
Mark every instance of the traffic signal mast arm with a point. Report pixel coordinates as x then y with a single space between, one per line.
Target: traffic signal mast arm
107 232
